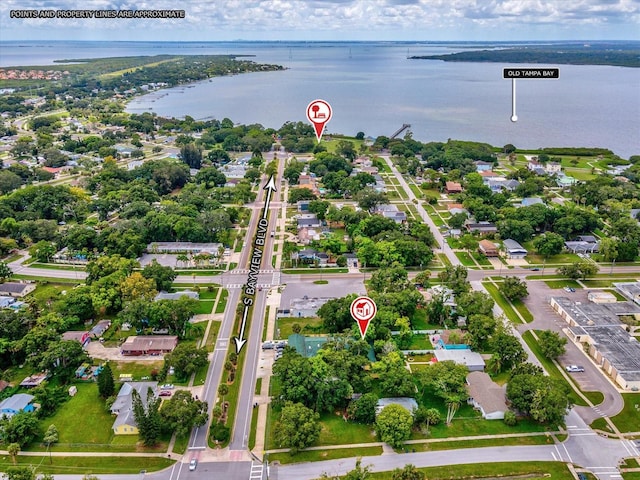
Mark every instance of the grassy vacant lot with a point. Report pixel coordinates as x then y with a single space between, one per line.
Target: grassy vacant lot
502 302
137 369
46 293
628 420
318 455
309 326
89 409
419 321
92 465
530 470
222 303
204 307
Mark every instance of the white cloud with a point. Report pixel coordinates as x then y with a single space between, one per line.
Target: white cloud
337 19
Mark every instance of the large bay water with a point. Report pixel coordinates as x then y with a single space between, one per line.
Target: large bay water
375 88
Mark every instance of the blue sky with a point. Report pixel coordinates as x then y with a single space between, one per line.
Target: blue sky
220 20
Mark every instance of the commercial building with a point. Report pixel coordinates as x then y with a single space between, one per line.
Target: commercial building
608 342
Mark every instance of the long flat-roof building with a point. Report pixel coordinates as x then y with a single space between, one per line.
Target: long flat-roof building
149 345
472 360
610 345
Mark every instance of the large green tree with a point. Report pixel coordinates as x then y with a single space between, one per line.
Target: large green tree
513 288
147 416
552 345
548 244
106 385
186 360
181 413
298 427
393 425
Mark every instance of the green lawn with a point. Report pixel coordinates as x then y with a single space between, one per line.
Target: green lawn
419 321
90 465
318 455
45 294
562 283
222 303
314 271
466 259
528 470
631 476
486 442
420 342
204 307
95 434
137 369
309 326
508 310
628 420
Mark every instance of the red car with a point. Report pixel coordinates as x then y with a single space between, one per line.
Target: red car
164 393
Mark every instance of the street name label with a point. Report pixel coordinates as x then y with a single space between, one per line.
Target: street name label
531 73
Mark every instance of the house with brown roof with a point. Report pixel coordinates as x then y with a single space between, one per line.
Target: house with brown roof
486 396
487 248
453 187
149 345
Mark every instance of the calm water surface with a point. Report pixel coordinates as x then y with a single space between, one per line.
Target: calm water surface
374 88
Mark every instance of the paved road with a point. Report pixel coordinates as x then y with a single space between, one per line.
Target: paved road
242 425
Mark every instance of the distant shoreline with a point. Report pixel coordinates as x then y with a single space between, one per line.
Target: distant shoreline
560 55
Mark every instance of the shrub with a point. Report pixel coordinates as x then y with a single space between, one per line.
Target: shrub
510 418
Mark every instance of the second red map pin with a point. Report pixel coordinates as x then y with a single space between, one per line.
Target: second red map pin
363 309
319 114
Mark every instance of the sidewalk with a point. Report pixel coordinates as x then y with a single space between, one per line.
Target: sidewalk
421 440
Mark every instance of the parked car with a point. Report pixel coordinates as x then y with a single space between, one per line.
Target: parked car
574 368
267 345
569 289
165 393
167 386
193 464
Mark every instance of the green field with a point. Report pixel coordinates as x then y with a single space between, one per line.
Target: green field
90 465
628 420
507 470
309 326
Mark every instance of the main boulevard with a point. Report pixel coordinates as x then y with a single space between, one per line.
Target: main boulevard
583 447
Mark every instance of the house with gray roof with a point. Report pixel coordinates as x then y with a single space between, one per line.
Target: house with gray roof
17 289
513 249
408 403
125 423
472 360
176 295
486 396
20 402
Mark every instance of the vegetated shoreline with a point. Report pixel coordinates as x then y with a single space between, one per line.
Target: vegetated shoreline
560 56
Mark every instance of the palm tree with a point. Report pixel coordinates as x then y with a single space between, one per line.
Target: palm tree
183 258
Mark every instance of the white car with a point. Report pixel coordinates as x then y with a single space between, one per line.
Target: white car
574 368
166 386
193 464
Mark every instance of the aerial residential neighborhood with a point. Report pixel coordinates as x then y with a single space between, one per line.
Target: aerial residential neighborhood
199 296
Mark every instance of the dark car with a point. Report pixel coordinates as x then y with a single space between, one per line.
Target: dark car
164 393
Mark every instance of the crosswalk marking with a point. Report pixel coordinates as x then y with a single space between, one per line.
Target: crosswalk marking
256 471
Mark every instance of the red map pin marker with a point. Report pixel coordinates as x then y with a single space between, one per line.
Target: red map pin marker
363 309
319 113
